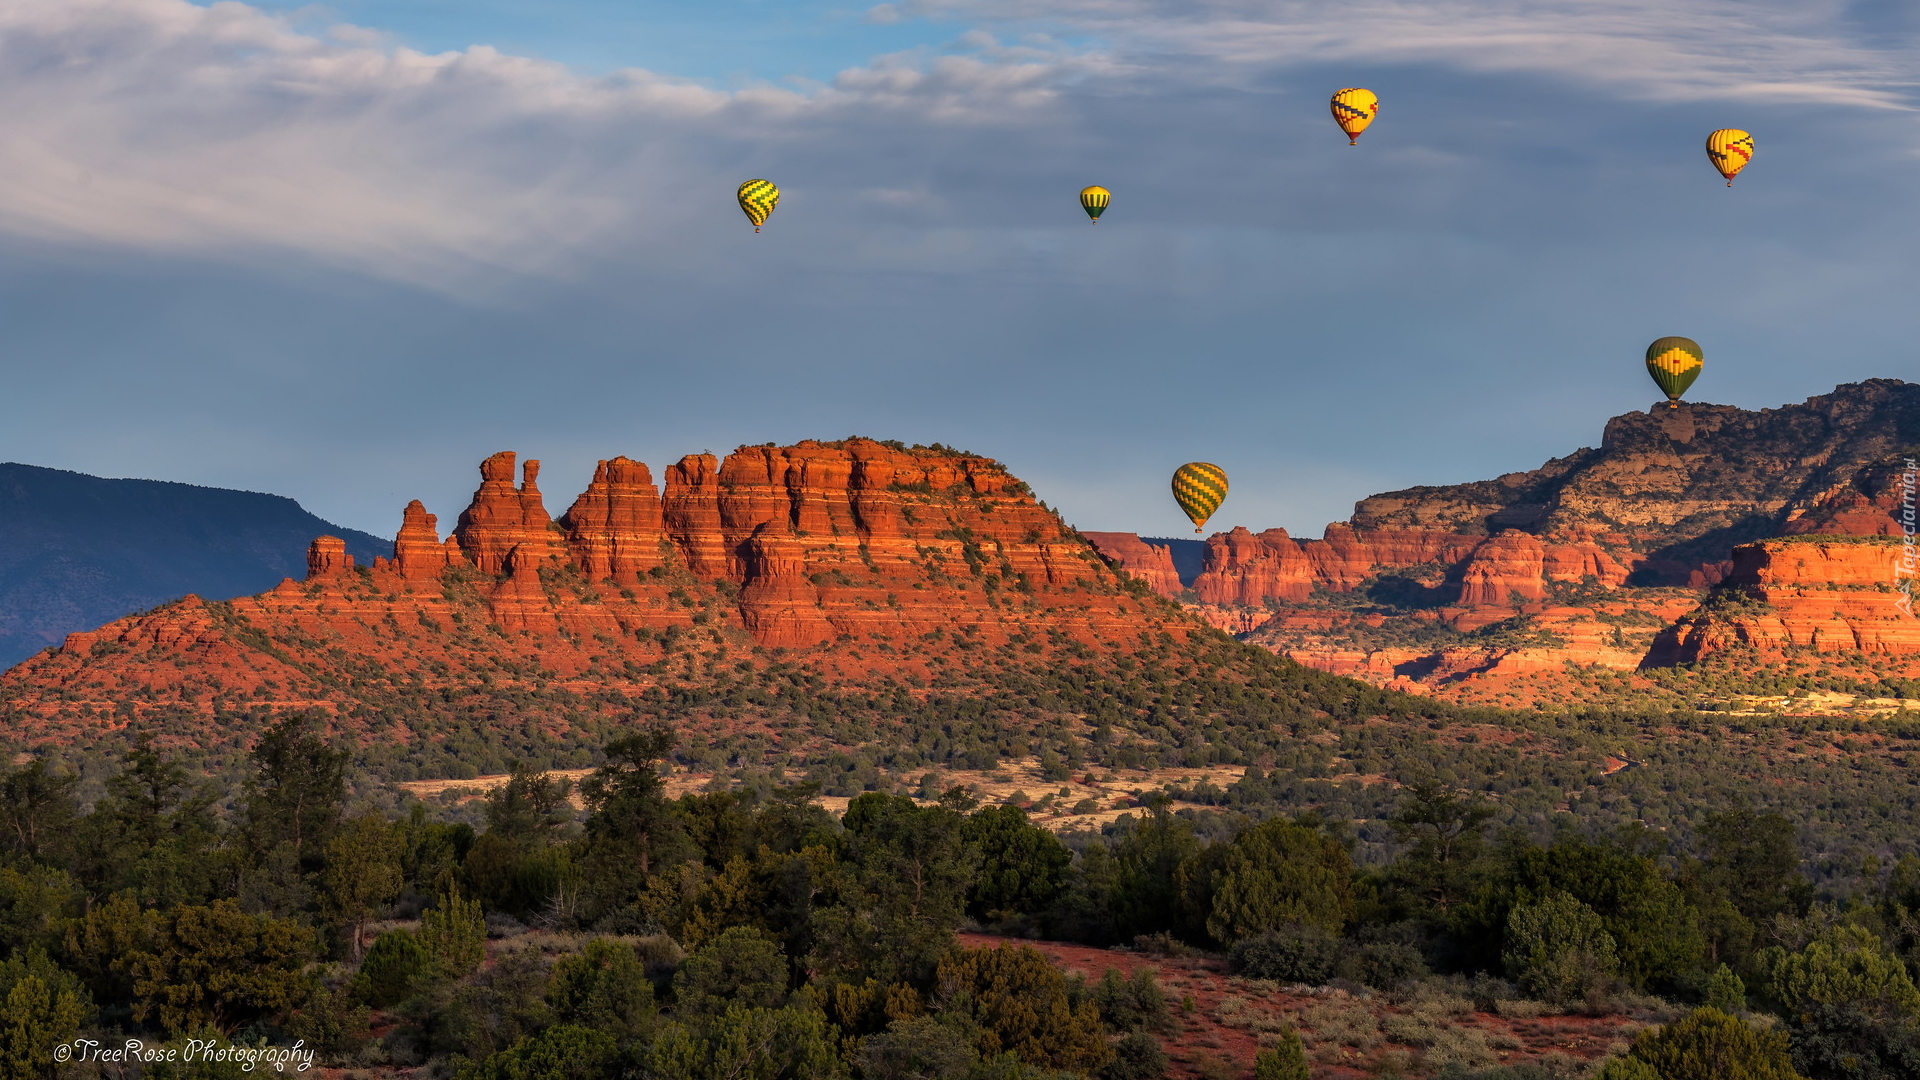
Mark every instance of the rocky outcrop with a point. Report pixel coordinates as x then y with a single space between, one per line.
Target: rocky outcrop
1823 596
1150 563
874 560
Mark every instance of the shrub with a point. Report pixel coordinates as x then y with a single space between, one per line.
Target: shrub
562 1052
1290 954
394 967
1708 1044
1841 965
605 987
1558 948
739 967
1285 1060
1017 1002
1136 1056
1131 1004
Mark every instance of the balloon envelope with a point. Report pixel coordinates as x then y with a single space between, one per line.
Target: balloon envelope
1730 149
1353 110
1094 200
1674 362
1199 487
757 199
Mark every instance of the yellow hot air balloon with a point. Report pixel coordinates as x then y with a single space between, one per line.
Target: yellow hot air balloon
1353 110
1094 201
1674 362
758 198
1730 149
1199 488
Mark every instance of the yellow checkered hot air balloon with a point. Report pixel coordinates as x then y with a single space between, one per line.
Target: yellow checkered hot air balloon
757 199
1674 362
1199 488
1353 110
1730 149
1094 201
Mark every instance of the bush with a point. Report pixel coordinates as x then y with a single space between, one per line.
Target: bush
1708 1044
605 987
562 1052
1133 1004
1841 965
1136 1056
1558 949
1292 954
1383 965
1854 1042
919 1048
1017 1003
738 967
1285 1060
393 968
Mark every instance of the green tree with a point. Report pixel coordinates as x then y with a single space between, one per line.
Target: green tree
1749 872
1146 892
1136 1056
562 1052
153 832
41 1007
1445 857
33 904
1558 949
916 1048
907 868
631 830
1707 1044
1843 964
1726 991
296 795
102 945
740 966
1279 873
218 967
1655 930
37 812
397 965
791 1043
363 874
454 933
1285 1060
603 987
1017 1003
1023 868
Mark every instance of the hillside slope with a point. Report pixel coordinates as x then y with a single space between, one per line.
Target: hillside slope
787 600
78 550
1502 590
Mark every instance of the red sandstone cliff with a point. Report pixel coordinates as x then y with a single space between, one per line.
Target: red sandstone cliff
1824 596
904 561
1151 563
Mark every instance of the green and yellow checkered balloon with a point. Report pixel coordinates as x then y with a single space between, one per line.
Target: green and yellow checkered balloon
1199 488
1674 362
758 198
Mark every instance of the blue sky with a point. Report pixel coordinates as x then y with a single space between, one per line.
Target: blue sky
343 252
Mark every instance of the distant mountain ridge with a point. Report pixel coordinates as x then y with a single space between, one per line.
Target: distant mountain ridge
77 551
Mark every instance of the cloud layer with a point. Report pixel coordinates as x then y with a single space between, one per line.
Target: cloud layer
235 252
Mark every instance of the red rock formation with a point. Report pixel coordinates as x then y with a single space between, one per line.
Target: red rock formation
327 558
417 551
1827 596
1507 570
1151 563
502 518
615 529
872 558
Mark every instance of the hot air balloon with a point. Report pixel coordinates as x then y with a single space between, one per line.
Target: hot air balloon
758 198
1094 201
1199 488
1674 362
1730 149
1353 110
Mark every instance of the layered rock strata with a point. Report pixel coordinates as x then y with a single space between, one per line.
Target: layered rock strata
888 561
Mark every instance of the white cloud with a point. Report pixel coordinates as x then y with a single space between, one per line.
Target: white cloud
169 127
1788 50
